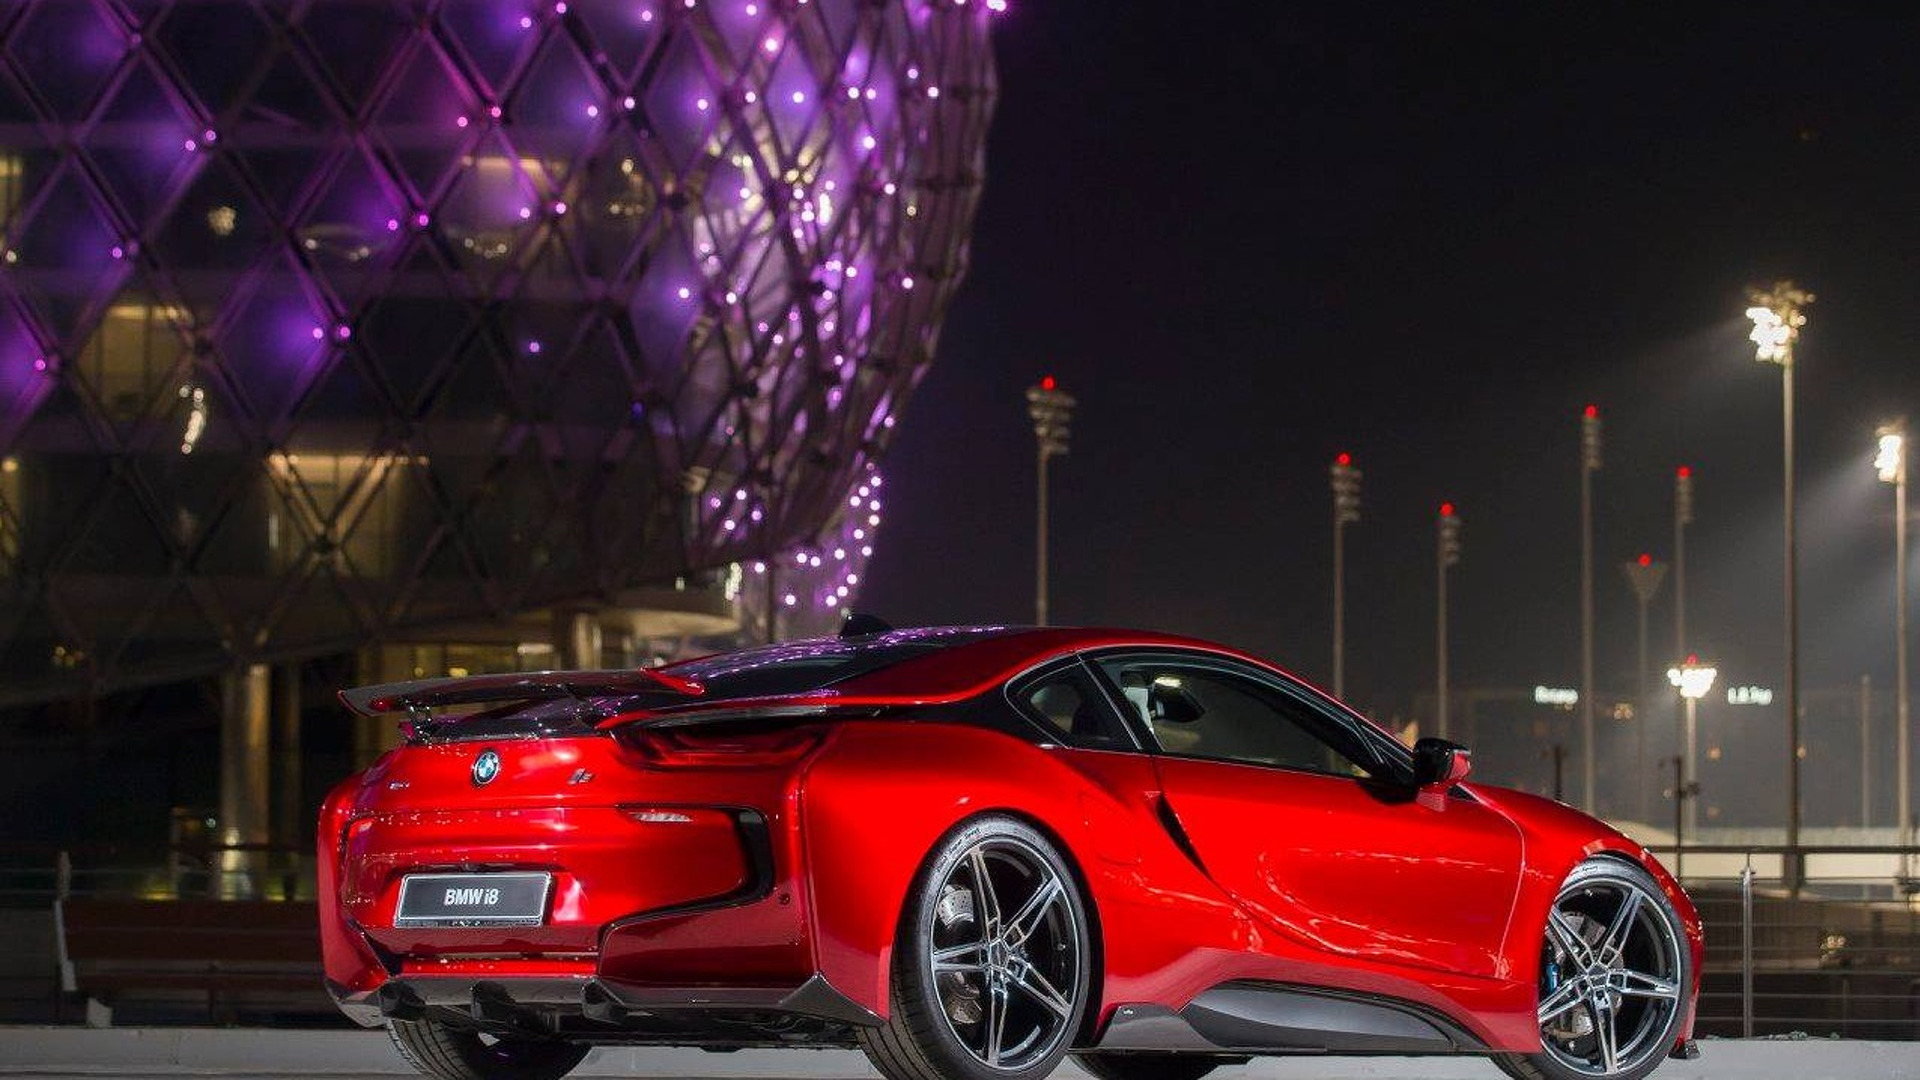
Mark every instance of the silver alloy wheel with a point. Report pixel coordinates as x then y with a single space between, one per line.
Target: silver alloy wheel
1000 976
1611 976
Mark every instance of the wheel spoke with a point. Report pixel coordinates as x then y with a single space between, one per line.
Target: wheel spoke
995 1023
949 959
1561 1001
1039 989
1025 921
983 892
1640 984
1567 936
1603 1033
1615 942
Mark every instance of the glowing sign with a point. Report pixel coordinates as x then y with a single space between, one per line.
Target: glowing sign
1556 695
1749 695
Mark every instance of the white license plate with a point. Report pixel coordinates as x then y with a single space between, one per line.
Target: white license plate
473 899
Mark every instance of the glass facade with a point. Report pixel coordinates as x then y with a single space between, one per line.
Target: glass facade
324 321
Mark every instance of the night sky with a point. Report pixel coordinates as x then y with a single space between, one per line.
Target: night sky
1248 236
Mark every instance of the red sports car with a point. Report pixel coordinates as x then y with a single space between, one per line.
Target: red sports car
970 852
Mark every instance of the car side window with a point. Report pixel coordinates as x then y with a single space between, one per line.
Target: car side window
1194 709
1070 705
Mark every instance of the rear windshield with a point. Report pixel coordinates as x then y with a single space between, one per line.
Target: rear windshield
801 667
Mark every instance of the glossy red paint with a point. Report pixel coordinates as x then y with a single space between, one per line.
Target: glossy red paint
795 864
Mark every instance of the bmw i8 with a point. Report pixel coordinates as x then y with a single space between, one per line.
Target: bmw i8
971 852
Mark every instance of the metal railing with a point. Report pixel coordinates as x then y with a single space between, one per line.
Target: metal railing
208 872
1838 954
1822 940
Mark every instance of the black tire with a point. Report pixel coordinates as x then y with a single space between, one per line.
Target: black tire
450 1053
1652 970
1146 1066
1031 971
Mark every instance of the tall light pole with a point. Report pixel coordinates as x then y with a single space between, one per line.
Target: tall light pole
1892 465
1589 464
1778 313
1051 409
1346 511
1644 577
1694 680
1447 552
1682 517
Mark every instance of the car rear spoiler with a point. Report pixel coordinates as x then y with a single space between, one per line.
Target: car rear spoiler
422 694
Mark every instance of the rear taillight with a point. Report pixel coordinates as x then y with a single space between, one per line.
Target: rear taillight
721 747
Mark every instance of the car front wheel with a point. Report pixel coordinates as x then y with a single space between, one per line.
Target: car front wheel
991 966
1614 976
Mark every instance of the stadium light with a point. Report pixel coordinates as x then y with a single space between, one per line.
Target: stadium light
1778 313
1345 478
1051 410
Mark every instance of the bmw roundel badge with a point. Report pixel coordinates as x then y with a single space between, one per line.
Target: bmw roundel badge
485 768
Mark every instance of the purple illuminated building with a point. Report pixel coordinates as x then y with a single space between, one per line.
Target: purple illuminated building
338 326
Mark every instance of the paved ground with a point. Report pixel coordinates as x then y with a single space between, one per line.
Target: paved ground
27 1053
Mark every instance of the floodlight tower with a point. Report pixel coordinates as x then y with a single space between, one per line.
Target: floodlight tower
1694 680
1682 517
1447 552
1644 576
1345 476
1051 410
1891 463
1589 464
1778 313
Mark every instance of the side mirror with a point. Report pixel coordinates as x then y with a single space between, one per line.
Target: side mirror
1170 703
1438 763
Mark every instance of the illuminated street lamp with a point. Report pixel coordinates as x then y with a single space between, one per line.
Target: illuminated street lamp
1778 313
1589 464
1644 576
1447 552
1891 463
1345 476
1694 680
1051 410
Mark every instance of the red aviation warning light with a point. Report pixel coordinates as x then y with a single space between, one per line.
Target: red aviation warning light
1345 478
1051 410
1590 439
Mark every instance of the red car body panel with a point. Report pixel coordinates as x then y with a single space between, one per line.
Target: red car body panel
755 878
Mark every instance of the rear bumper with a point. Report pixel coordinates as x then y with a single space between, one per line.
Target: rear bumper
659 908
509 1001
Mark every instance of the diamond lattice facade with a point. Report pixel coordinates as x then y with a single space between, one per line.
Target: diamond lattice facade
324 320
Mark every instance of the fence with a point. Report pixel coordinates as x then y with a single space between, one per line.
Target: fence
1824 940
1839 954
212 872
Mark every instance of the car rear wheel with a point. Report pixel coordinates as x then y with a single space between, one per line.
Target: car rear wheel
1613 981
991 965
1146 1066
449 1053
